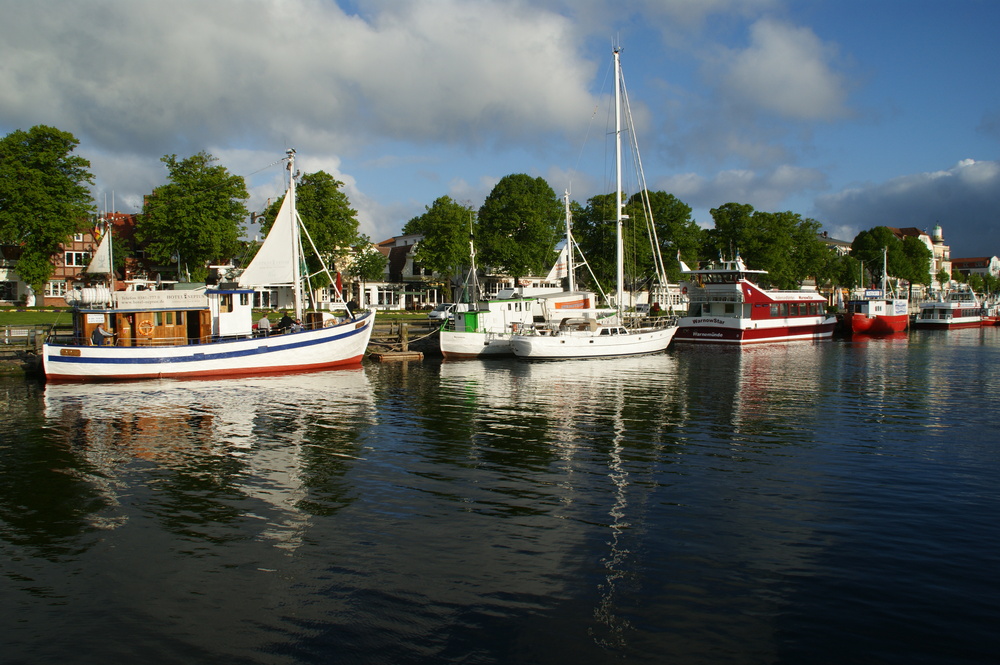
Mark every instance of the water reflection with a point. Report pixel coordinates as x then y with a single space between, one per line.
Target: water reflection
208 445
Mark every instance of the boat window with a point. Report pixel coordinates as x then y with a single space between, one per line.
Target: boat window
170 318
606 331
730 308
244 299
706 308
158 317
775 309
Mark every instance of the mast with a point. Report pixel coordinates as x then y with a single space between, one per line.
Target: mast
569 245
294 230
619 215
885 269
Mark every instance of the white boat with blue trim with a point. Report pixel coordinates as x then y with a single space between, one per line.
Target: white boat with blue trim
207 332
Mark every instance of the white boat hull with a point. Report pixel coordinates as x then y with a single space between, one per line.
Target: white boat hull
475 344
719 330
586 344
338 345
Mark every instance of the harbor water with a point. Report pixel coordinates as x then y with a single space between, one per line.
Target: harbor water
834 502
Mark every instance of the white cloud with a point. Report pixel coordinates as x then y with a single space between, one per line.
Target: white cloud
179 75
786 70
764 190
964 199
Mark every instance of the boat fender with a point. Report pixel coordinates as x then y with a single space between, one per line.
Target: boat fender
684 290
515 327
145 328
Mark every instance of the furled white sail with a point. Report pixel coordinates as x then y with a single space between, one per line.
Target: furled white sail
561 267
273 263
101 262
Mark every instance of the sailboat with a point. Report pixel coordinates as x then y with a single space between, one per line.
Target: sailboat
589 337
484 328
208 332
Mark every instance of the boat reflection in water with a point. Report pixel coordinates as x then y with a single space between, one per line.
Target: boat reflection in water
247 437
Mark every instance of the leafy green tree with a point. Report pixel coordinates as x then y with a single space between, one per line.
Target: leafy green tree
594 230
943 277
915 262
329 219
868 247
675 232
782 243
518 226
975 281
445 227
44 197
197 218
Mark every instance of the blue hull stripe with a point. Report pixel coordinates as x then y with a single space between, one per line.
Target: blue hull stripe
262 347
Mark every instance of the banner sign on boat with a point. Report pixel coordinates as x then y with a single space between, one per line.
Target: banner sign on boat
149 300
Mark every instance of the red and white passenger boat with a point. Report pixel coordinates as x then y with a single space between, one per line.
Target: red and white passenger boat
960 308
728 307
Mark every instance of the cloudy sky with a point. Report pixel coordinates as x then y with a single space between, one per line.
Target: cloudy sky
855 113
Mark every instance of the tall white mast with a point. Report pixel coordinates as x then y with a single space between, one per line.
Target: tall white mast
296 255
619 214
570 269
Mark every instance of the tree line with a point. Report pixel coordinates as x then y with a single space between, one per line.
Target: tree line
198 217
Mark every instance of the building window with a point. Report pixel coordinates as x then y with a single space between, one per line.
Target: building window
55 289
8 291
77 237
77 259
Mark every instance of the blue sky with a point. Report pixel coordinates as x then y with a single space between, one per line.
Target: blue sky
853 113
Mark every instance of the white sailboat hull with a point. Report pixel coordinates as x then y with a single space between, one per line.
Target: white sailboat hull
475 344
339 345
591 344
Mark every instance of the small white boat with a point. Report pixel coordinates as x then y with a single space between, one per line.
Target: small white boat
156 334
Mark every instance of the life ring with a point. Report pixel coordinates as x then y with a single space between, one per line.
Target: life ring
145 328
684 290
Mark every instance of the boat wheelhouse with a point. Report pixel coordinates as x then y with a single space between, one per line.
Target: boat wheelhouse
727 306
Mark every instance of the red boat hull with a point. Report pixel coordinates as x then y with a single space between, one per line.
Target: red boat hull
879 325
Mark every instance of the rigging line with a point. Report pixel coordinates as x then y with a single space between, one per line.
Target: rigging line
590 124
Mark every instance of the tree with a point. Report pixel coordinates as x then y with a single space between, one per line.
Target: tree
675 232
782 243
445 227
868 247
915 262
328 218
594 230
518 226
197 218
44 199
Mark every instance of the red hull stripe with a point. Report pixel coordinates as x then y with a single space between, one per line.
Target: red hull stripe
256 371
